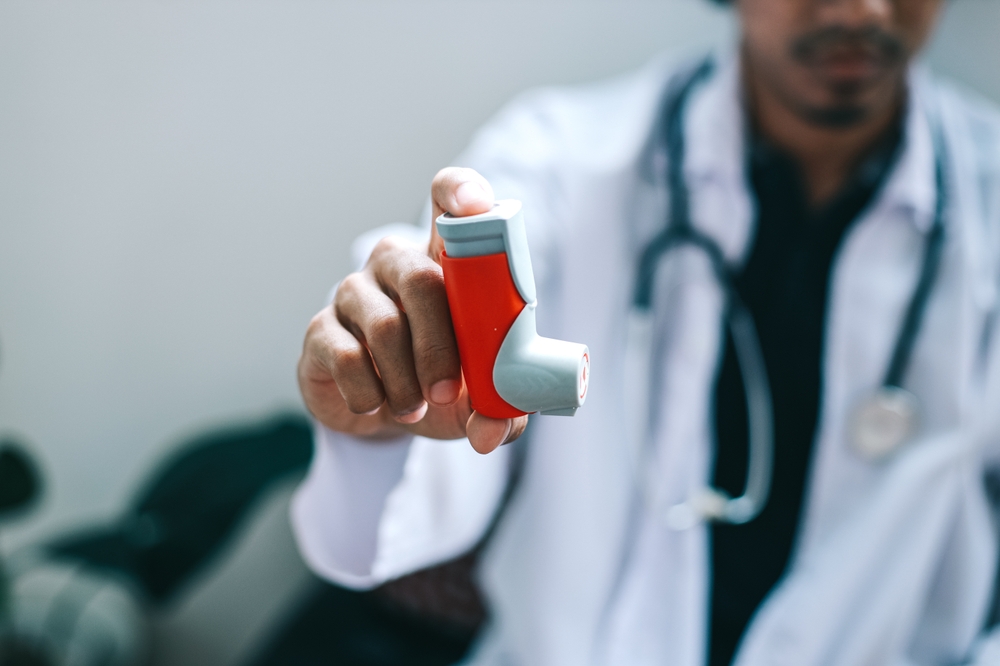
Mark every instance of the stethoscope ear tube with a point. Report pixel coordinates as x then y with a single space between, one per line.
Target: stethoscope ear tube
708 503
760 416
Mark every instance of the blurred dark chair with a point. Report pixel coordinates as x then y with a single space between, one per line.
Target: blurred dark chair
190 508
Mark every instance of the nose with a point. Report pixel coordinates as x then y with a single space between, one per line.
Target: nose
856 13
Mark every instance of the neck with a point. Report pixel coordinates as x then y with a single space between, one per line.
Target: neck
826 155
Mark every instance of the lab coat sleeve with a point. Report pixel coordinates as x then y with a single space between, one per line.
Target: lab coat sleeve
370 511
987 650
988 428
367 511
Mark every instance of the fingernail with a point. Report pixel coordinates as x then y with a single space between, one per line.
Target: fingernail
469 193
413 416
445 391
372 412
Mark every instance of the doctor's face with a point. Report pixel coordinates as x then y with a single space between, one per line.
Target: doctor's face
834 63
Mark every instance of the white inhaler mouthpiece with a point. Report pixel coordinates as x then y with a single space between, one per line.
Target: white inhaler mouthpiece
509 369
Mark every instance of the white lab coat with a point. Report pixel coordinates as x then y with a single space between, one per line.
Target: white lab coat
895 560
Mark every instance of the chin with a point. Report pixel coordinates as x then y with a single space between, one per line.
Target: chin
846 102
840 116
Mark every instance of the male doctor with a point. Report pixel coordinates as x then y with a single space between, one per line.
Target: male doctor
820 163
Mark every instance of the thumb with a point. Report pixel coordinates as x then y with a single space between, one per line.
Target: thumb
461 192
486 434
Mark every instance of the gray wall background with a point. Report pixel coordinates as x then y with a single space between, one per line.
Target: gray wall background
179 184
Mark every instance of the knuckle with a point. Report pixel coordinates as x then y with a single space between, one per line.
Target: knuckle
348 363
422 279
438 351
350 285
360 390
388 246
362 404
386 329
405 399
318 340
316 325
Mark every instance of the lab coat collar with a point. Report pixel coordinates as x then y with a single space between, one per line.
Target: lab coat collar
912 186
716 132
716 127
715 161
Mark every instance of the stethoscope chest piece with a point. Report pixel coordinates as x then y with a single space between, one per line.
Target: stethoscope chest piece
883 421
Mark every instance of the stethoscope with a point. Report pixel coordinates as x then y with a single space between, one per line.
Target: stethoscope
880 423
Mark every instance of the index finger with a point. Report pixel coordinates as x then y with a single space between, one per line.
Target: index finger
458 191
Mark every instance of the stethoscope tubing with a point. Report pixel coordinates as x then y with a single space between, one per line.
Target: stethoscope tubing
711 503
933 249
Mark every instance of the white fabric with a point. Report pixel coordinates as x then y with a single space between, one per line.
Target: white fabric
895 560
987 650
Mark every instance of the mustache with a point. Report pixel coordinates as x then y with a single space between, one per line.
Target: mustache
814 47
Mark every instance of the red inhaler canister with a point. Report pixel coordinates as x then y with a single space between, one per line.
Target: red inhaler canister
509 369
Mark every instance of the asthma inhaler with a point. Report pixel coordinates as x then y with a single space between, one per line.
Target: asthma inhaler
509 369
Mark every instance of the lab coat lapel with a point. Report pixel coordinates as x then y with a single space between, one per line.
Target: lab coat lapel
559 546
689 305
715 166
893 547
888 547
659 612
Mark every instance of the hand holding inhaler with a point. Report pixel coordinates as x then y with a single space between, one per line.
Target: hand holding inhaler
382 360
